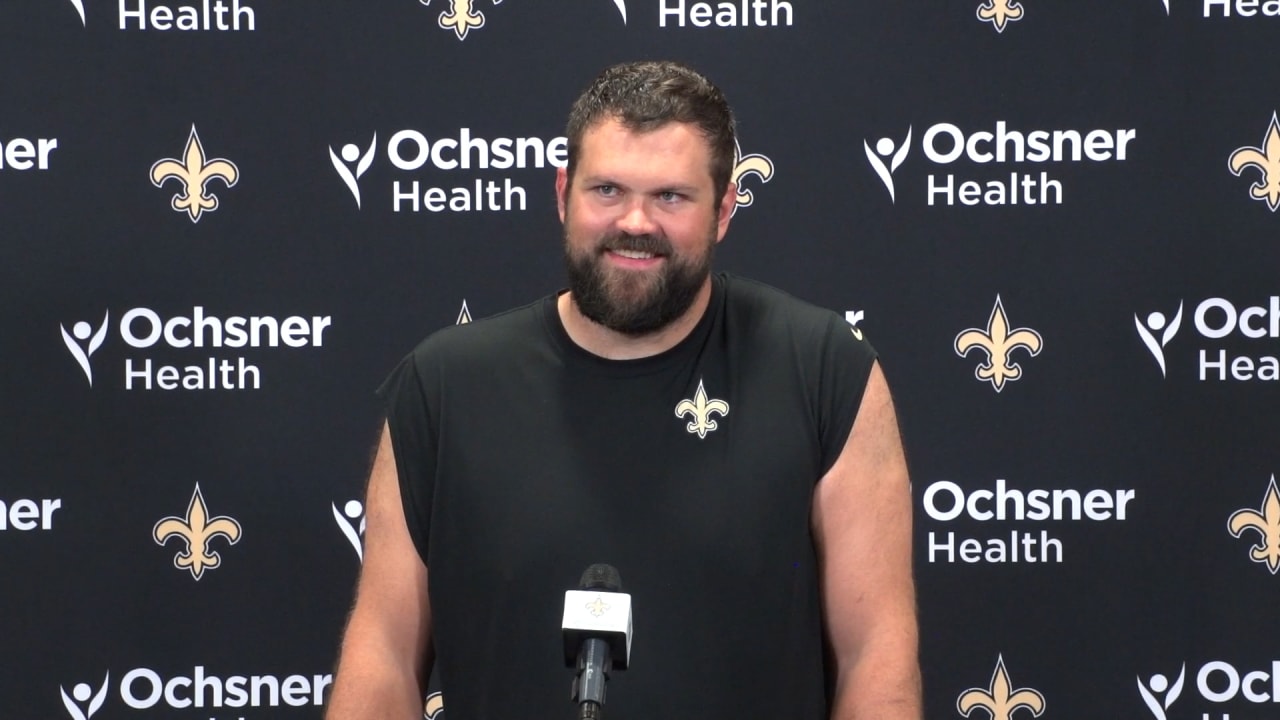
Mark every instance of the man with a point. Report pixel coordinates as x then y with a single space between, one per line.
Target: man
732 451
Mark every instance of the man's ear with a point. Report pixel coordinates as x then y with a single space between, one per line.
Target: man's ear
562 189
728 204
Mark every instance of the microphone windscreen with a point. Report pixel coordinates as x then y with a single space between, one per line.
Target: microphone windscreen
601 576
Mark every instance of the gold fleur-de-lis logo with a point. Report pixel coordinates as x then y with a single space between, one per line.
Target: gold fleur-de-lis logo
1267 160
461 17
758 165
434 706
194 172
197 529
700 409
999 699
597 606
998 342
1000 13
1267 523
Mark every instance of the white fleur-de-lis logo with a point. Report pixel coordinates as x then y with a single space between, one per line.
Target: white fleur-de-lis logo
700 409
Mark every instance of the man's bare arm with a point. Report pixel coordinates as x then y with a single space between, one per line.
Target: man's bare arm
386 651
862 527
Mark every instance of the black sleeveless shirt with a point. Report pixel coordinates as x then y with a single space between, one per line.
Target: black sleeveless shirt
524 459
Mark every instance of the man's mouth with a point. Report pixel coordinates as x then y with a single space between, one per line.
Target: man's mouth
634 254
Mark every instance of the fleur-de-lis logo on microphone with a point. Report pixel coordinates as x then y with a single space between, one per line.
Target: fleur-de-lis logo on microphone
1000 13
83 331
194 172
1267 160
1000 699
197 529
351 154
1266 521
598 606
701 409
998 341
83 693
743 165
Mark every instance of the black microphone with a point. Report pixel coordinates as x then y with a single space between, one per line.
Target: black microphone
597 635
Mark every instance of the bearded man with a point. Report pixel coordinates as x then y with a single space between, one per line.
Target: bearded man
731 450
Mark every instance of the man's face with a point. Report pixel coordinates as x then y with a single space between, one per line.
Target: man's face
641 221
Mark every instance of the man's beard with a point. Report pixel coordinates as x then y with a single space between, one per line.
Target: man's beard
635 303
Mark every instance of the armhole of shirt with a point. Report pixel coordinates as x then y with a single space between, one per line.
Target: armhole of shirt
846 367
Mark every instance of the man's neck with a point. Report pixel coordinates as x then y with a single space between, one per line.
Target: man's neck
612 345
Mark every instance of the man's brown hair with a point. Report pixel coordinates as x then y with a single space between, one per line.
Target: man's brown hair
645 96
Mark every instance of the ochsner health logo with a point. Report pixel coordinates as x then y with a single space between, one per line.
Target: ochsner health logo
1222 686
1224 328
353 165
83 693
1159 685
887 149
147 689
968 165
351 522
175 337
83 331
1156 323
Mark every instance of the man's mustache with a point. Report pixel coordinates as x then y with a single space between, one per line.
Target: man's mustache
636 243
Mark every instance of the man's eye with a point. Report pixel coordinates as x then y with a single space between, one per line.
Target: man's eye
607 190
669 196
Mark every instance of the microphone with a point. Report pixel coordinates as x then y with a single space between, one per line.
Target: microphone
597 635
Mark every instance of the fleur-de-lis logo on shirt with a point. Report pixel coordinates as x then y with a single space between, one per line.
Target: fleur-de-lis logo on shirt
700 410
1267 160
1000 700
998 342
1267 523
1000 13
197 529
758 165
194 172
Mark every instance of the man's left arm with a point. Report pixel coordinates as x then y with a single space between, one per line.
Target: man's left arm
862 530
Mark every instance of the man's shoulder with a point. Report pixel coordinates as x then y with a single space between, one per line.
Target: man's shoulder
771 308
486 337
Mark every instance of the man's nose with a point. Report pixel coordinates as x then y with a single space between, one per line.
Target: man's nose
636 219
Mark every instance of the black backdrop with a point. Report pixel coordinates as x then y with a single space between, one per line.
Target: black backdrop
97 620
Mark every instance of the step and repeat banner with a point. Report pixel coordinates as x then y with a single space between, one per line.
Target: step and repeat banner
224 221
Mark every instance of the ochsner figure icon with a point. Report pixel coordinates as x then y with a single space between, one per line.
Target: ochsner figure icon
1156 323
350 512
350 154
82 692
885 148
82 330
1159 684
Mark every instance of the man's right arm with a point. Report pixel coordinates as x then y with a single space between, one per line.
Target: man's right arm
386 650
